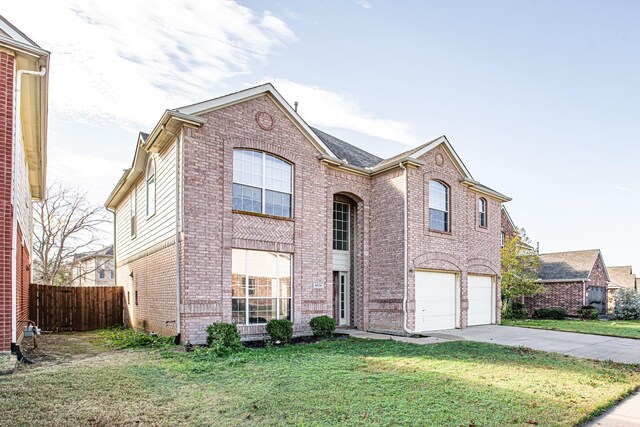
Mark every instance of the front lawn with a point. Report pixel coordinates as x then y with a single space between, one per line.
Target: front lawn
343 382
616 328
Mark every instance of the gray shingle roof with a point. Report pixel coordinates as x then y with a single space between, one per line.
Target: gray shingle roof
345 151
561 266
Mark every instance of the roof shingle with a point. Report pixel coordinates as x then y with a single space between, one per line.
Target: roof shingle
562 266
345 151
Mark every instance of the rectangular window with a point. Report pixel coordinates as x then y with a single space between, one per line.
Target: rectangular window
340 226
102 275
260 286
482 212
134 209
136 297
262 183
438 206
502 239
128 298
111 274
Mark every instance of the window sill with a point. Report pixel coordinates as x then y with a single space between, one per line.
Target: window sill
235 211
445 233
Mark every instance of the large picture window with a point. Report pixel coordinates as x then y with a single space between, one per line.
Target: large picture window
260 286
262 183
438 206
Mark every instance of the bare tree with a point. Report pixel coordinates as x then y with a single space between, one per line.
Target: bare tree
65 224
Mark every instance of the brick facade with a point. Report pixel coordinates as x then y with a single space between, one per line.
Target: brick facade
6 210
212 229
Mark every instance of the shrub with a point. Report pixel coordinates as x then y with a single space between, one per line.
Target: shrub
223 338
128 338
588 312
323 326
515 310
627 304
556 313
280 330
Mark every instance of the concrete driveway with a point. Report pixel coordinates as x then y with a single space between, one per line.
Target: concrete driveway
598 347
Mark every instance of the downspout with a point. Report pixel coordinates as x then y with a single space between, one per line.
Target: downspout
406 252
17 133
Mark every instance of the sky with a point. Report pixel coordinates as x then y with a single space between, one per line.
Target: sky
540 99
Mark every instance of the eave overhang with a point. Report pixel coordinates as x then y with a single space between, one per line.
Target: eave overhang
476 187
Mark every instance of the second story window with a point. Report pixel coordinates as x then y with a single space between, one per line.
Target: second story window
134 216
482 212
502 239
438 206
340 226
262 183
151 187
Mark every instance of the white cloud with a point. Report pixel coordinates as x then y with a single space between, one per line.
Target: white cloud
326 108
364 4
129 60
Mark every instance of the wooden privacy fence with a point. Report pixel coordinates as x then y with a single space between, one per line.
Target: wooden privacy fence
71 308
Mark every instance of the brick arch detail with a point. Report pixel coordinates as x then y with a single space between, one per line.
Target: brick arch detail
482 266
437 261
267 147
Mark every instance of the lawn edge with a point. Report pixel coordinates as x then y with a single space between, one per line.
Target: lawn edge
606 407
573 332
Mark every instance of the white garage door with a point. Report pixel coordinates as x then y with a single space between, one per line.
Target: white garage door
480 300
435 301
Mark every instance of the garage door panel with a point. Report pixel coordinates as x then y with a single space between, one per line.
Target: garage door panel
480 296
435 296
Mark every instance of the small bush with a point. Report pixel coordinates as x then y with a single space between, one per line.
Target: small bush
128 338
588 312
280 330
515 310
555 313
223 338
627 304
323 326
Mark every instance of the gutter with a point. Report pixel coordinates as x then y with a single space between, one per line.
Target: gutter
17 133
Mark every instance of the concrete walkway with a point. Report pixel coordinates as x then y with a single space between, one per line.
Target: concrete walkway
624 350
626 414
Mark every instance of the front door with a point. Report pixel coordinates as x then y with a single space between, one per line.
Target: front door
343 298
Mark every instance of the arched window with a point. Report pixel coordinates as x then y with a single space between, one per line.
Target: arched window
262 183
438 206
482 212
151 187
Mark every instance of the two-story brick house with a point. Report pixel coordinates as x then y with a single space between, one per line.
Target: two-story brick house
236 210
23 133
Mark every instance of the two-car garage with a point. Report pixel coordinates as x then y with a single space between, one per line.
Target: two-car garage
437 300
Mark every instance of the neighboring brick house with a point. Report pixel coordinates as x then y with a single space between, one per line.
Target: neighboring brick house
236 210
621 277
23 131
94 268
507 227
572 279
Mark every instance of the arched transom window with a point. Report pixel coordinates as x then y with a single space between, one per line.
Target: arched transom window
262 183
438 206
151 187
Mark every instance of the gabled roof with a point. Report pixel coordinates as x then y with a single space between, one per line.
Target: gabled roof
107 251
568 266
345 151
622 276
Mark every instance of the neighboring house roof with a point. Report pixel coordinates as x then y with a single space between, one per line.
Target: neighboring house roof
34 101
622 276
345 151
107 251
333 151
567 266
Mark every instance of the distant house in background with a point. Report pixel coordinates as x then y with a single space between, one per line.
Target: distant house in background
620 277
507 226
94 268
23 161
572 279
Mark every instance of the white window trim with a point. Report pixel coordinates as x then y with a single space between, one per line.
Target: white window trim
133 213
482 203
263 188
155 187
348 226
448 206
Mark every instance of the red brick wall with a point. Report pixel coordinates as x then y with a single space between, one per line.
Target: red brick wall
6 230
506 226
23 278
154 280
566 295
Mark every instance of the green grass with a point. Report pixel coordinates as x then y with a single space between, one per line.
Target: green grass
615 328
344 382
122 338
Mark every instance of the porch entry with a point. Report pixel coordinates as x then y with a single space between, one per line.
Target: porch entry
343 262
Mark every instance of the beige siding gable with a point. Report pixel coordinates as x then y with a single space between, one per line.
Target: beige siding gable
154 228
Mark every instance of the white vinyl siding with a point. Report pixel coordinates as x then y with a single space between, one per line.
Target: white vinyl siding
159 227
23 194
